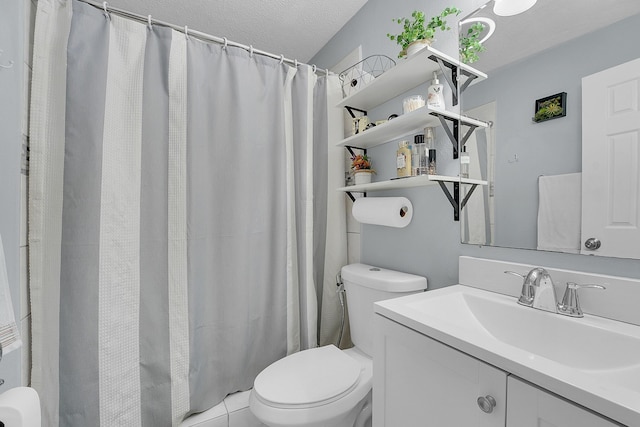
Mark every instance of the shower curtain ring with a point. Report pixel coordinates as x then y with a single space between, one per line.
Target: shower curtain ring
314 68
225 43
186 32
149 22
250 51
281 59
106 12
295 63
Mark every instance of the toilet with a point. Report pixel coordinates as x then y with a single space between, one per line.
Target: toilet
326 386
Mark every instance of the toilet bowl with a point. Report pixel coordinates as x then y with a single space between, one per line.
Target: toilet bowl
325 386
341 387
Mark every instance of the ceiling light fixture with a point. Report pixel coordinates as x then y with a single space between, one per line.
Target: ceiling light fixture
512 7
487 21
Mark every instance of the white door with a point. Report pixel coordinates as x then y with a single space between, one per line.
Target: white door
530 406
610 161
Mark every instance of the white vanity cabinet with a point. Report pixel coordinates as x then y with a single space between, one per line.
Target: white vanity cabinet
530 406
418 381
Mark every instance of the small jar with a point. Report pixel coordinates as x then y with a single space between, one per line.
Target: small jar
412 103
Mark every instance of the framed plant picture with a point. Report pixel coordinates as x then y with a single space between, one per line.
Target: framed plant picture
551 107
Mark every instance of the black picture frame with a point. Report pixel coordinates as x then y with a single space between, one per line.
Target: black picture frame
545 109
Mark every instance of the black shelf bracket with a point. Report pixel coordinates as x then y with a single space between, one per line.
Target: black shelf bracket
352 109
467 135
466 198
470 79
454 198
350 149
351 196
453 133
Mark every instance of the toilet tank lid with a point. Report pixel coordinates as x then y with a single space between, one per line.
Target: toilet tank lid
382 279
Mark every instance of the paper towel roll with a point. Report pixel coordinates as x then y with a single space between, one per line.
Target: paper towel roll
388 211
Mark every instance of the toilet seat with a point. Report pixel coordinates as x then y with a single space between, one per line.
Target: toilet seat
308 379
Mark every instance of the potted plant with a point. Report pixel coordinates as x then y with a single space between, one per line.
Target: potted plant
417 32
361 169
470 44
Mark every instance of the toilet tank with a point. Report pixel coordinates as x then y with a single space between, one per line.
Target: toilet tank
366 284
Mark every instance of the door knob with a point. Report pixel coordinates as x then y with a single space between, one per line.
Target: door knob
486 403
592 244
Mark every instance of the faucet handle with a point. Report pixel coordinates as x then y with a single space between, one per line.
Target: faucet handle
528 292
570 304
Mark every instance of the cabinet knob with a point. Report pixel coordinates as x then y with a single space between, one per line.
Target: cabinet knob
486 403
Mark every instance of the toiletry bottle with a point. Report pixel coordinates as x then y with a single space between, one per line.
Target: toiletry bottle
430 138
403 159
435 94
464 163
432 162
420 156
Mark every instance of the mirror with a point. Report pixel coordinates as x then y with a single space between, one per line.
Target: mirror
533 60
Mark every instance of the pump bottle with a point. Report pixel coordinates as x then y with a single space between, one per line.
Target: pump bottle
435 94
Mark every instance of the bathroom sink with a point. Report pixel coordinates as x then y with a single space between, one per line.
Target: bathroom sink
592 361
576 343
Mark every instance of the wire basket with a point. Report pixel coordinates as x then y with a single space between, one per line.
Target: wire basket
361 74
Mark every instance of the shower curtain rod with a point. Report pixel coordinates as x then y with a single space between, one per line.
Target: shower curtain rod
189 32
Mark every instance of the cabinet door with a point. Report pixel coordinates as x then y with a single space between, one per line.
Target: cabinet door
418 381
530 406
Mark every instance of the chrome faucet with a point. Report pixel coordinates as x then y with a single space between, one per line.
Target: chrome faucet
537 290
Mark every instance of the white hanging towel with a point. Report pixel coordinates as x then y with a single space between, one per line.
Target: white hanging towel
9 335
559 212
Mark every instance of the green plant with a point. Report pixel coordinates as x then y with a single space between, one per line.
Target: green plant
548 109
470 45
419 29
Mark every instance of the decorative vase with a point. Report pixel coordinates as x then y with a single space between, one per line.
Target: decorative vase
362 176
417 46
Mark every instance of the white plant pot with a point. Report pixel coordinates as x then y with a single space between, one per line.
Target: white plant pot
417 46
362 177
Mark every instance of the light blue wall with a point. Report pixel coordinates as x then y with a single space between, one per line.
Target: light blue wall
430 244
11 43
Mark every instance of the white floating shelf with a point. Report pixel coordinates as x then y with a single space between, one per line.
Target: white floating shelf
407 74
404 125
409 182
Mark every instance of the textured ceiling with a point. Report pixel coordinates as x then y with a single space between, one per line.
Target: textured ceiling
297 29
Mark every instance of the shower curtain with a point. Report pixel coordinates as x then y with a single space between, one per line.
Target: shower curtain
175 246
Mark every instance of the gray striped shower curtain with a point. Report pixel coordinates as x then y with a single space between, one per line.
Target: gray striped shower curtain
177 217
